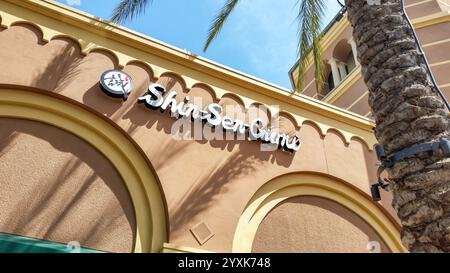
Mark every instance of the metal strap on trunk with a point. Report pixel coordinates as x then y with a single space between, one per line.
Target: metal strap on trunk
389 161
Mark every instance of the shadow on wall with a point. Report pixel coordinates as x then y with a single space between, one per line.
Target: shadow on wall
243 158
60 66
32 61
315 224
115 108
65 70
56 206
139 116
202 194
61 69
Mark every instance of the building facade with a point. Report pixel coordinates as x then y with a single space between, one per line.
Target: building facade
344 85
80 166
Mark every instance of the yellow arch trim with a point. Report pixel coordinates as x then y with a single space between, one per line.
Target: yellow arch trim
138 176
312 184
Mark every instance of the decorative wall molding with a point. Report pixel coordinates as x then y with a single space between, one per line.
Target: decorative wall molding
95 35
126 156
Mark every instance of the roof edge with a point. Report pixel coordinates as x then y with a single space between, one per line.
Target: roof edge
134 39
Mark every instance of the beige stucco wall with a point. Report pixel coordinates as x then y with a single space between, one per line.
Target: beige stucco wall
208 181
435 39
416 10
314 224
57 187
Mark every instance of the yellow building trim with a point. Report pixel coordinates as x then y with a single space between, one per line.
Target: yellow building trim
308 85
309 62
343 86
444 4
172 248
330 36
436 43
432 19
334 32
57 20
440 63
339 27
358 99
138 176
352 78
300 184
419 3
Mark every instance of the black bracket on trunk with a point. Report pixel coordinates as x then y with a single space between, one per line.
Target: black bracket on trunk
389 161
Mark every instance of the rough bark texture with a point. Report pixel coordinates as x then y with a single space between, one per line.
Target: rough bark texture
407 111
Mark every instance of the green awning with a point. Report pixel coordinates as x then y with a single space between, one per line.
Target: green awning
19 244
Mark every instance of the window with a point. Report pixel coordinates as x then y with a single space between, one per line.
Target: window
341 64
350 63
330 81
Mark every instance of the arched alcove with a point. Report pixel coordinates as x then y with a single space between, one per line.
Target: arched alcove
56 187
340 196
314 224
122 152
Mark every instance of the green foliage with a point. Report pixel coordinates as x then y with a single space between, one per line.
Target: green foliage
309 17
128 10
218 22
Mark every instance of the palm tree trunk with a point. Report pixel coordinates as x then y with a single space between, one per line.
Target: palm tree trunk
407 111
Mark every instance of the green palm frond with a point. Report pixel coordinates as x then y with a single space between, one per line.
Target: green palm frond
310 14
128 10
219 22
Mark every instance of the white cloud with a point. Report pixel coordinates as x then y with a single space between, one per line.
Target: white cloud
74 2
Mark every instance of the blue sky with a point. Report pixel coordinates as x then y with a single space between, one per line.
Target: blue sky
260 37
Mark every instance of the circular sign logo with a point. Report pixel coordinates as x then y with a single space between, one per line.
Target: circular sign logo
116 83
